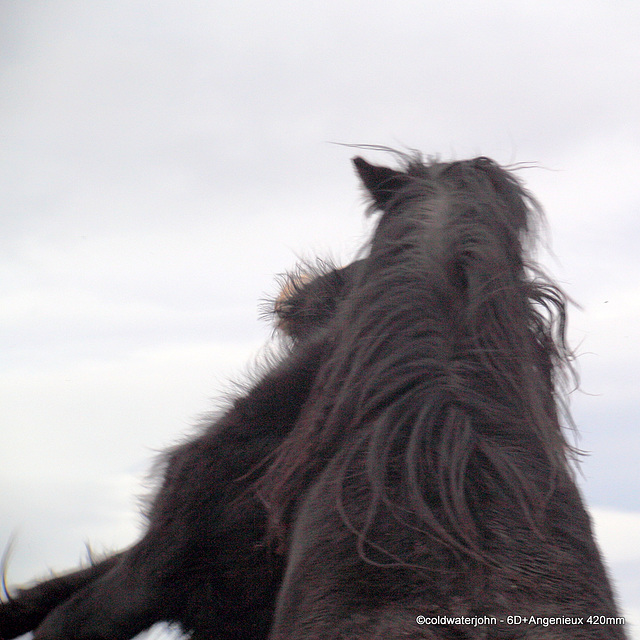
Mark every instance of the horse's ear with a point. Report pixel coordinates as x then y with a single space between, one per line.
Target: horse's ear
381 182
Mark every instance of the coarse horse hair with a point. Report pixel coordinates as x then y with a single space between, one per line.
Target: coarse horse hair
429 472
202 562
448 350
401 472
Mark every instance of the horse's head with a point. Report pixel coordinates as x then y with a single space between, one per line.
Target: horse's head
309 297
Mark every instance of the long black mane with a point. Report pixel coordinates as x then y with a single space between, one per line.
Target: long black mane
447 356
406 451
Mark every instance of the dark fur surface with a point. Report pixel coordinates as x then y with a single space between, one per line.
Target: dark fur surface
406 457
310 296
202 562
435 475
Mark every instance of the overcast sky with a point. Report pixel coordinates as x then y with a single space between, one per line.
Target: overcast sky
161 161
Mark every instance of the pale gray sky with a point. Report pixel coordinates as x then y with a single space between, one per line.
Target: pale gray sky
161 161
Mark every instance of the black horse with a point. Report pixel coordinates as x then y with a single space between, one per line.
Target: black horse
202 561
401 472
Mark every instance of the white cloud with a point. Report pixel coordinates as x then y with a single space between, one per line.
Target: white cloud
161 163
618 533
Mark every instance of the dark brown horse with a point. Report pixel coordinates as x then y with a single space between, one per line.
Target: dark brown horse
402 472
202 561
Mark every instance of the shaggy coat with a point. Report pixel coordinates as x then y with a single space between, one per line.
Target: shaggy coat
428 478
202 562
401 473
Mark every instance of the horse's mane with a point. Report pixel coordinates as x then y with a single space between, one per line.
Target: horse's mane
447 363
